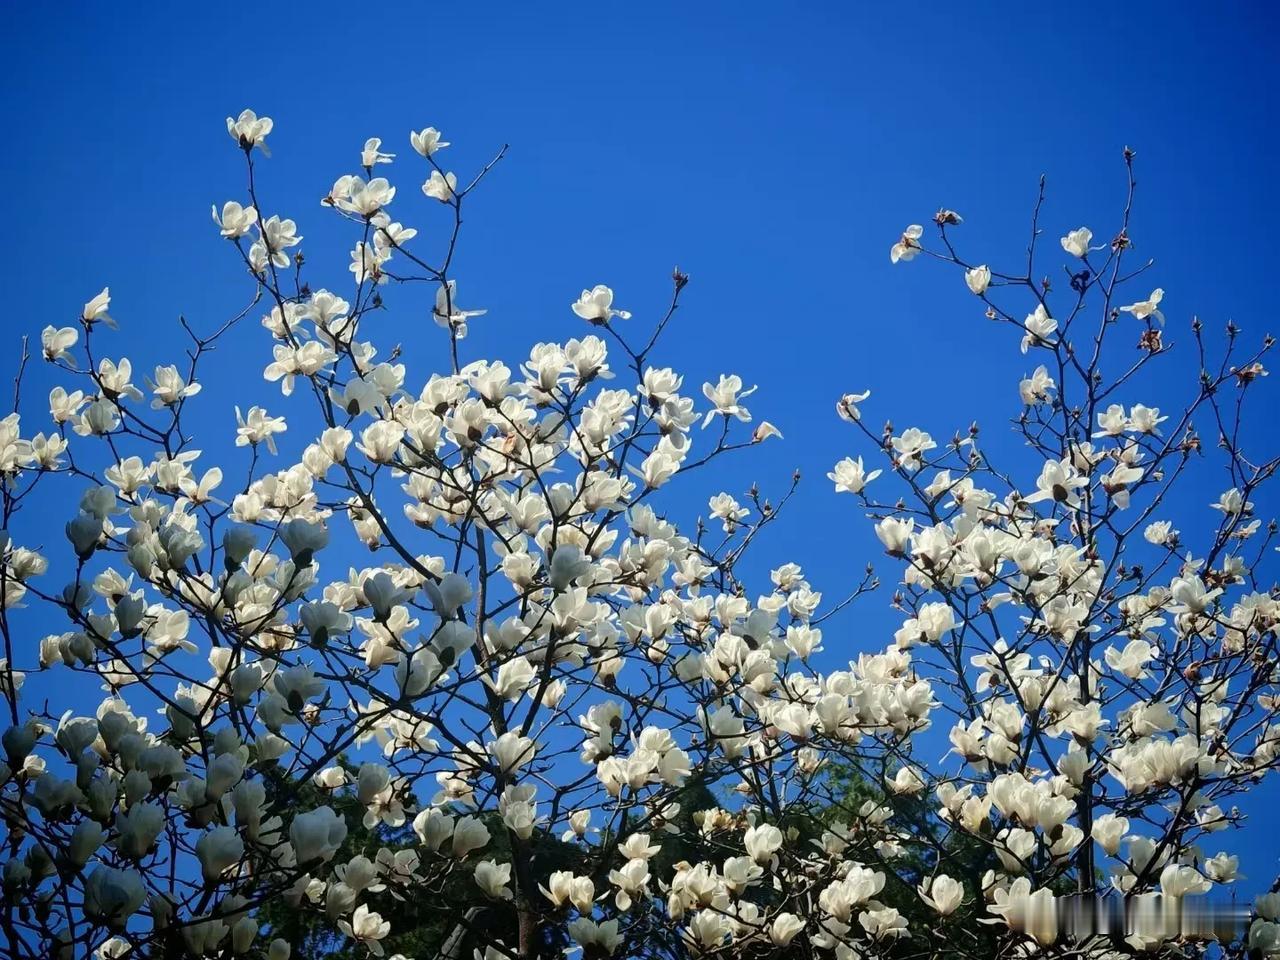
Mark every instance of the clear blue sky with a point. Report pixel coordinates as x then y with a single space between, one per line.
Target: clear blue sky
772 153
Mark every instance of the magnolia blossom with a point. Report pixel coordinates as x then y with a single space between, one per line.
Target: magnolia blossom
95 311
366 928
427 141
372 153
978 279
908 245
57 341
235 220
441 186
448 314
258 427
596 305
249 130
1076 242
1149 308
943 894
1039 327
726 397
850 477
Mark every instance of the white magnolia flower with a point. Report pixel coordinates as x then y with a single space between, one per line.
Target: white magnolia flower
596 305
426 142
440 186
978 279
366 928
249 130
908 244
1039 327
95 311
235 220
372 153
943 894
168 387
258 427
448 314
850 477
1076 242
727 395
1146 309
56 342
847 406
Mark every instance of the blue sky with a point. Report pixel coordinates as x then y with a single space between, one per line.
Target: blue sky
773 153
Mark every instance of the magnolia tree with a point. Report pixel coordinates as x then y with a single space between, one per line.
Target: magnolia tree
536 660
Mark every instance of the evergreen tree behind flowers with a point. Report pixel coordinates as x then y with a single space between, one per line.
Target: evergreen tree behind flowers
543 717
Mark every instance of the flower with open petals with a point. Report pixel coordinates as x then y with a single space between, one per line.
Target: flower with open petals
1146 309
95 311
427 141
366 928
1077 242
908 244
235 220
849 476
596 305
257 427
727 395
249 130
372 153
440 186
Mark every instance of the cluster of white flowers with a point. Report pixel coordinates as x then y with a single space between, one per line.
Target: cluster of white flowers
541 659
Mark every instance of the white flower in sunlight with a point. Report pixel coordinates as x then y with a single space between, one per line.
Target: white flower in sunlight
1039 326
944 894
257 427
1059 482
727 396
1144 419
596 305
426 142
448 314
1223 868
1076 242
978 279
1037 388
440 187
169 388
725 508
494 879
366 928
765 430
908 244
513 679
850 477
1178 880
1109 830
56 342
1132 660
911 446
1149 308
847 406
372 153
249 130
202 491
235 220
95 311
362 198
1232 503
